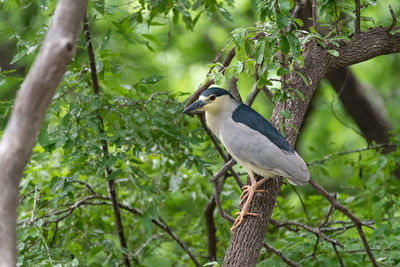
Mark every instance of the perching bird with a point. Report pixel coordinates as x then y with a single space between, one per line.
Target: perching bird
252 141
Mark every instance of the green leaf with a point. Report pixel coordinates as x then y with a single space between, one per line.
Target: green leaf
284 6
219 78
212 263
99 5
285 114
260 52
237 70
113 175
225 13
294 44
303 78
333 52
284 44
299 94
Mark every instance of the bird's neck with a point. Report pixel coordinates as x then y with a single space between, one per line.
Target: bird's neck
216 118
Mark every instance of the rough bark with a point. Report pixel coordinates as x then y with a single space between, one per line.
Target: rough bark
31 103
247 239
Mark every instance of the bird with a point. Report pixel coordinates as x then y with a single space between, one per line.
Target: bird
252 141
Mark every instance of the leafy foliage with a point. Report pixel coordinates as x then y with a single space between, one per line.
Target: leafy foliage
148 55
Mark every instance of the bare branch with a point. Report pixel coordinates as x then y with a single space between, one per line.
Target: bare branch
350 215
31 103
358 18
224 169
394 19
340 153
314 14
211 230
280 255
252 95
234 90
315 231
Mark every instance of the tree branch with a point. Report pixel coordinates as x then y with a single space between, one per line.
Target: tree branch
225 64
280 255
358 18
211 230
31 103
104 146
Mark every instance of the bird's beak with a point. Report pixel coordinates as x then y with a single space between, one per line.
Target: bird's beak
196 105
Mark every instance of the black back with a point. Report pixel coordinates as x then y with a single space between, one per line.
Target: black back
246 115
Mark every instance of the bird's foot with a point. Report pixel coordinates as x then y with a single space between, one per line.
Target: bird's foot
246 190
240 218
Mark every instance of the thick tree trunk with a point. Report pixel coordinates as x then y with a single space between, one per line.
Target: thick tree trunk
247 239
31 103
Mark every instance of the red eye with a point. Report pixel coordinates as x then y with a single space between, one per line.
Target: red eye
213 97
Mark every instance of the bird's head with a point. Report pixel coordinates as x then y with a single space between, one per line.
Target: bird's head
211 100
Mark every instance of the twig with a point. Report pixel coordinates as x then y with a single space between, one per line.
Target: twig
223 169
252 95
358 18
315 231
104 145
280 255
144 245
338 255
225 64
34 206
331 198
315 248
329 156
268 93
394 19
234 90
314 14
211 230
47 249
217 195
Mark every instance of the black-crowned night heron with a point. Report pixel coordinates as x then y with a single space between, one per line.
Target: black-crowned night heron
252 141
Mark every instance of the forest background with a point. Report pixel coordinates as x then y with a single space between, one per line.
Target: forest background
118 176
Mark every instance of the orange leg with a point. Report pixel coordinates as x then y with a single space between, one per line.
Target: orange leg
248 193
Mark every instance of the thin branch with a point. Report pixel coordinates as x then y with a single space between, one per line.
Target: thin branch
338 255
104 145
268 93
225 64
223 169
280 255
252 95
314 14
358 18
234 90
145 244
315 231
331 155
34 206
211 230
217 196
331 198
394 19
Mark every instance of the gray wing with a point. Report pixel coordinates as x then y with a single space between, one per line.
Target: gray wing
248 145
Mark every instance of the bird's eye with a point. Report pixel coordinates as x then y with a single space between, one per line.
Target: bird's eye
213 97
